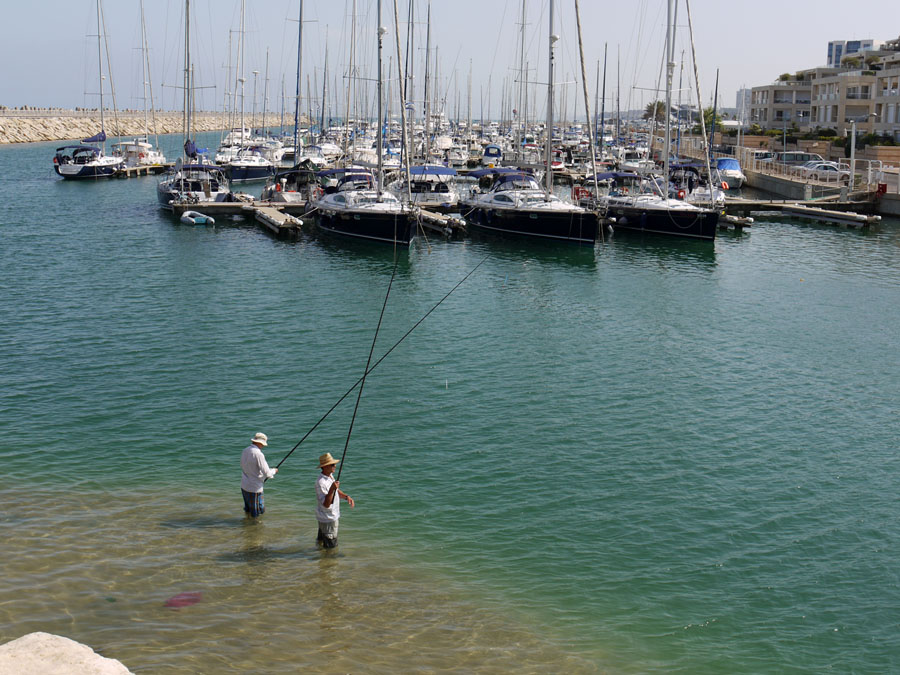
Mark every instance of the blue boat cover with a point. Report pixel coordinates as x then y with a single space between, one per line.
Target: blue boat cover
432 169
609 175
99 138
728 163
478 173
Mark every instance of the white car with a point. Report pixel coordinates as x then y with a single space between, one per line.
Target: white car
830 172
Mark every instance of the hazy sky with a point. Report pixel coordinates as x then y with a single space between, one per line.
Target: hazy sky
49 50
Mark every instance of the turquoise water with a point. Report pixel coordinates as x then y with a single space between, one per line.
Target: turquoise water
652 456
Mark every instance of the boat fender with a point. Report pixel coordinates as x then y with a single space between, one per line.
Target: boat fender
681 194
724 185
277 187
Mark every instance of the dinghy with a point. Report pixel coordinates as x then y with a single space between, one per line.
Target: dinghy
196 218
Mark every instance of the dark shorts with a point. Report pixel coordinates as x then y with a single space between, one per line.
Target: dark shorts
327 536
253 503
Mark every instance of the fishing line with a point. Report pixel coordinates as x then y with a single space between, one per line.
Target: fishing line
383 357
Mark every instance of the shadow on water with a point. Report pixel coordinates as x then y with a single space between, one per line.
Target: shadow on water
201 522
662 250
254 548
520 249
360 251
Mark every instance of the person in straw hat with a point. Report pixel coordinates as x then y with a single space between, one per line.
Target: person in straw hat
255 470
328 505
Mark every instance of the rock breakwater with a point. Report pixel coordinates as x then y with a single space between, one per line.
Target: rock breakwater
30 126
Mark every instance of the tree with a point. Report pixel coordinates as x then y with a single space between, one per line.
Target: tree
656 109
708 120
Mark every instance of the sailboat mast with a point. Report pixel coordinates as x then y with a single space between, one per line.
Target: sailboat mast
187 76
265 93
521 113
670 66
550 43
378 136
427 86
324 88
297 96
100 63
603 102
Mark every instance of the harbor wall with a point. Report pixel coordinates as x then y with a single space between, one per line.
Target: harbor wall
30 126
889 205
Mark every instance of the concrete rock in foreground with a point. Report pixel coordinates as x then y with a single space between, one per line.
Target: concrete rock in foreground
46 654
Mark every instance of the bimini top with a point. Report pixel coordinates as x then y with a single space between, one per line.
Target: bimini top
612 175
431 170
479 173
492 147
337 172
728 163
81 148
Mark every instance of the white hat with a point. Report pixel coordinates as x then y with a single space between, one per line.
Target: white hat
260 438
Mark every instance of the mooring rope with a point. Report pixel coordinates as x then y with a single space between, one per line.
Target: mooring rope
383 357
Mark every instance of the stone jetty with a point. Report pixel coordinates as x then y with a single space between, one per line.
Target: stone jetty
31 125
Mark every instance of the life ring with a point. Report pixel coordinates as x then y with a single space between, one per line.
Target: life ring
624 191
681 194
318 193
724 185
277 187
141 156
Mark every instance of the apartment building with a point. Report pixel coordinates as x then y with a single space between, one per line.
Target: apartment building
783 103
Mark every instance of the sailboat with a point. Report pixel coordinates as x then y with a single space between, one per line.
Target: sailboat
140 151
646 206
516 204
89 159
361 210
192 180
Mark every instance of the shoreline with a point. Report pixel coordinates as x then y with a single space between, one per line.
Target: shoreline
36 126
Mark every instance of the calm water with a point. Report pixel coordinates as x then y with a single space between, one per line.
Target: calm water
652 456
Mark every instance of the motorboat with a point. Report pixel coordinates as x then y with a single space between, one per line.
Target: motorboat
730 174
138 152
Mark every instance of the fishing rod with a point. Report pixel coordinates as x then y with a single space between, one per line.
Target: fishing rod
362 383
383 357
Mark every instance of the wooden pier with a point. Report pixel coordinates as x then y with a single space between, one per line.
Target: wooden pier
277 222
132 171
827 210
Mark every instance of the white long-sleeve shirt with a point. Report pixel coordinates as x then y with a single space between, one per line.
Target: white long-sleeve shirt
254 468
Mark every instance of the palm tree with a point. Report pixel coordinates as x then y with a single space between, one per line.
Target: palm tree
656 109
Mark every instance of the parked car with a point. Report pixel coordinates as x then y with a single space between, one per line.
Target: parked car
826 171
796 157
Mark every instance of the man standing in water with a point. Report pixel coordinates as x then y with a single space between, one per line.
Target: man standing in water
255 471
328 505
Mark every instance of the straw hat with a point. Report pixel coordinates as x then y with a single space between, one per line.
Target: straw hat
327 459
260 438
